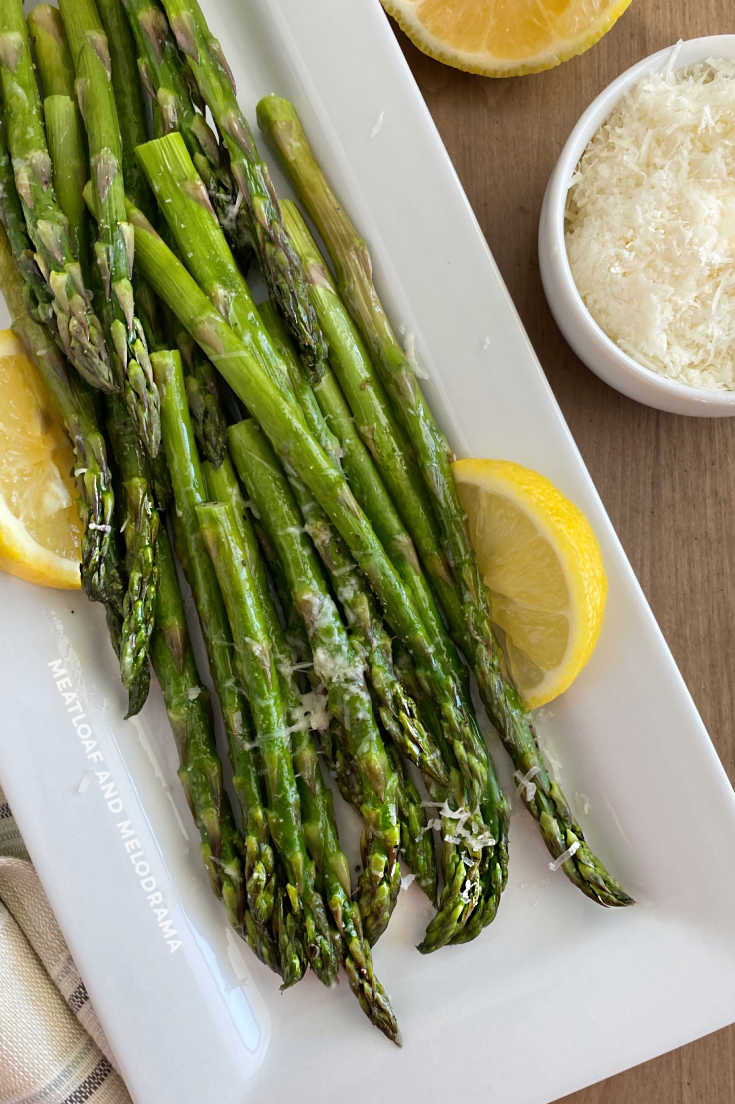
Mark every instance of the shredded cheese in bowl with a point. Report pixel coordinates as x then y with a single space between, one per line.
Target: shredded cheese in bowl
650 224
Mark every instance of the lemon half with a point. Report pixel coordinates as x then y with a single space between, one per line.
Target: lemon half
543 566
40 530
505 38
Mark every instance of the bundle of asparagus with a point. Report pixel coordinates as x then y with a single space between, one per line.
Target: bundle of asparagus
302 478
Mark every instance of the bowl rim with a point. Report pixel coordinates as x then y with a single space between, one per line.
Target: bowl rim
678 55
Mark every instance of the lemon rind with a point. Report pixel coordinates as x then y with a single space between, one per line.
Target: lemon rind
524 485
490 66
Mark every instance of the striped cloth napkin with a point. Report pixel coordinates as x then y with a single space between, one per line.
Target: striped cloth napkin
52 1049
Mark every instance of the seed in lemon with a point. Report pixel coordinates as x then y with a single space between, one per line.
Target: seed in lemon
505 38
543 566
40 531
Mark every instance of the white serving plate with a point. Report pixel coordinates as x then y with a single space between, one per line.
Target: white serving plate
558 993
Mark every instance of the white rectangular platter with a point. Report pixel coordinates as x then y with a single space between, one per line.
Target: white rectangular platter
558 993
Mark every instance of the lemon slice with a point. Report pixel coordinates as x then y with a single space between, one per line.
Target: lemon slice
505 38
40 531
543 567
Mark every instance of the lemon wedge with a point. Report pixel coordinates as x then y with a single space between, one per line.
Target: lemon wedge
505 38
40 530
543 566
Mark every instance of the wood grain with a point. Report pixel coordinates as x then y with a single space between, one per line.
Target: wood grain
668 482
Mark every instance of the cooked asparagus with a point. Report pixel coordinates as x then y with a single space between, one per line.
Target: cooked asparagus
189 490
114 247
317 812
338 667
99 572
278 261
163 74
255 664
79 330
351 260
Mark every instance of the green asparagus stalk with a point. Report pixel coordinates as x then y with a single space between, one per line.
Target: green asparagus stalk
38 296
133 122
189 712
64 130
417 840
114 247
255 664
210 426
222 486
54 65
164 74
351 259
338 667
140 531
284 424
278 261
128 98
317 812
100 577
376 423
189 490
78 328
69 158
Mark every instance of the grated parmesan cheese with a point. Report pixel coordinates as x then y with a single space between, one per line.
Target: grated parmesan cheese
650 224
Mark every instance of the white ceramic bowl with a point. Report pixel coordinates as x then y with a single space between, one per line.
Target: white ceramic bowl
588 340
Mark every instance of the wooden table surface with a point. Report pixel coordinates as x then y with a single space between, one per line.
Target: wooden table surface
668 482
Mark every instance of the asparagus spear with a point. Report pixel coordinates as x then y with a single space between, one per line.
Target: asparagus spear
278 261
164 74
339 669
114 247
189 490
140 530
375 420
189 712
128 98
78 328
100 577
69 158
350 256
200 378
38 296
64 131
317 809
134 130
320 830
255 664
394 708
417 840
53 61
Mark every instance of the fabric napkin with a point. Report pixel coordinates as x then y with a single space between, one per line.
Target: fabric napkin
52 1048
